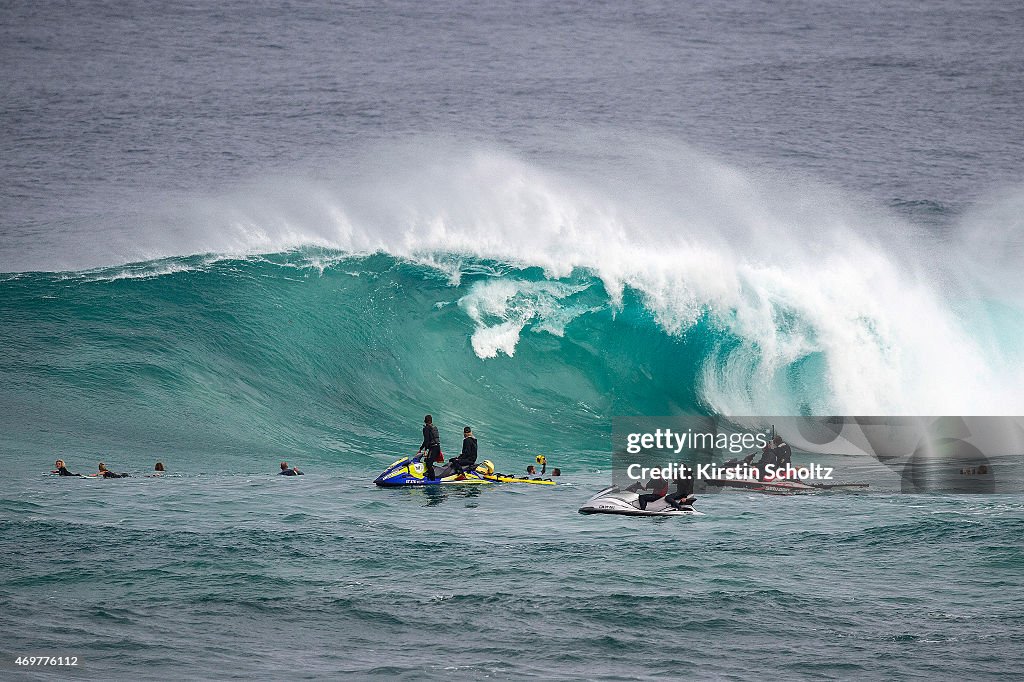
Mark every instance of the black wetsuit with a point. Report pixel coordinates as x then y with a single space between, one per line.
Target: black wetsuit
432 444
684 488
467 459
660 490
289 472
784 455
63 471
768 456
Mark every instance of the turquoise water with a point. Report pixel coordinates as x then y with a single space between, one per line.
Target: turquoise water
287 356
221 368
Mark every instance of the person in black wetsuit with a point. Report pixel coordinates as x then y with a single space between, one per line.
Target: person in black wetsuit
431 445
660 487
684 487
783 453
288 471
467 459
104 472
62 470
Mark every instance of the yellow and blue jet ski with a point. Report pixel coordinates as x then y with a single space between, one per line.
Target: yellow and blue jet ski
412 471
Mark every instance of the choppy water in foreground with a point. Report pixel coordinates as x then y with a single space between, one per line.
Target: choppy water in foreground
224 575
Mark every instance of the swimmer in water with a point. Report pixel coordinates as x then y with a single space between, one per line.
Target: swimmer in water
289 471
62 470
104 472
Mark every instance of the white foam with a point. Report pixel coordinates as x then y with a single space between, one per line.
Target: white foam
502 308
795 271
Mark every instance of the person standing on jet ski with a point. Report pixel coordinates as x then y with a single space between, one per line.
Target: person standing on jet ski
783 453
467 459
431 445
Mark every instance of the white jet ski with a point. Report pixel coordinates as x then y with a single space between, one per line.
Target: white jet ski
615 500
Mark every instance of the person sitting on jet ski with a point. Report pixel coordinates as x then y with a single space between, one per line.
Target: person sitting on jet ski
467 459
431 444
660 487
684 487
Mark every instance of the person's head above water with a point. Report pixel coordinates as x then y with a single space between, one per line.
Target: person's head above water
103 467
59 463
556 472
467 431
428 419
159 466
284 465
531 469
777 439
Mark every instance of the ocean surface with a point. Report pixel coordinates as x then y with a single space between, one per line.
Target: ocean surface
238 233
